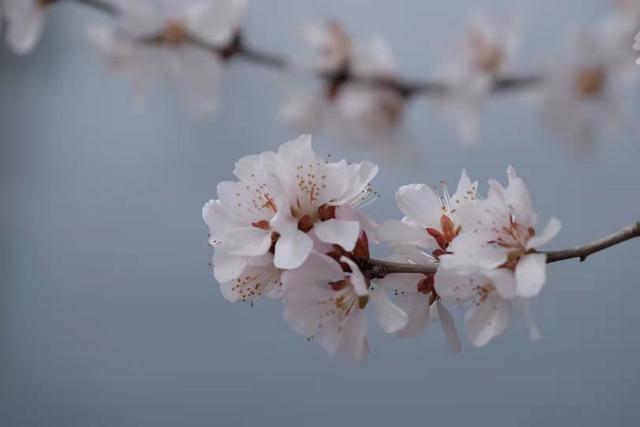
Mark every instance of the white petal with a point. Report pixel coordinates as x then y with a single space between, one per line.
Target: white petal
416 305
400 283
25 20
420 204
227 267
353 338
391 318
449 328
504 280
487 320
248 241
334 231
292 249
550 231
251 284
215 21
530 274
517 196
358 281
472 250
534 331
395 231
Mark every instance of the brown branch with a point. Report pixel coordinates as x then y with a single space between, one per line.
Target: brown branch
376 269
404 87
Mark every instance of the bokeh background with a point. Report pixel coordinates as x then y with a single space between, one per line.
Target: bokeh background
110 316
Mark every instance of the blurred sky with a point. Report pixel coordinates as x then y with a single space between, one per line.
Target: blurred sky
110 316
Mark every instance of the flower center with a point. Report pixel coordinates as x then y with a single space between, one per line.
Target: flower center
448 231
590 81
487 56
44 3
174 33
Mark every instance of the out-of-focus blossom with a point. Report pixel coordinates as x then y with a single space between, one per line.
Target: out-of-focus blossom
428 228
181 40
636 46
617 28
470 68
326 298
587 91
24 22
283 202
353 101
494 257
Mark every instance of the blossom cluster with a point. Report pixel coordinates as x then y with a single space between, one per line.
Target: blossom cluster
361 95
291 228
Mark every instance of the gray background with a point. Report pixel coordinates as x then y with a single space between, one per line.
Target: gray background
110 316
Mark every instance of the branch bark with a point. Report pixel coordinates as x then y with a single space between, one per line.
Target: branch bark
376 269
404 87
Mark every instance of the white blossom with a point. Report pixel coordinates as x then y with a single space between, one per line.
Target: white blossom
363 109
636 46
166 39
325 301
428 228
494 258
283 202
470 68
586 91
24 22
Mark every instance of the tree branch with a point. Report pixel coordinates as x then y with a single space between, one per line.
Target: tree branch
376 269
404 87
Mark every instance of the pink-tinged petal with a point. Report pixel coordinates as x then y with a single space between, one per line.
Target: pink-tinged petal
391 318
530 275
218 221
248 241
420 204
215 22
517 196
25 20
456 285
394 231
254 282
353 337
416 305
465 192
487 320
292 249
400 283
534 330
472 250
245 202
334 231
504 281
358 281
550 231
256 168
227 267
448 327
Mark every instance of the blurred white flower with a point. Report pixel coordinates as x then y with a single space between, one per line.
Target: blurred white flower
174 39
355 100
617 28
636 46
24 22
428 228
283 202
326 299
587 91
494 258
470 68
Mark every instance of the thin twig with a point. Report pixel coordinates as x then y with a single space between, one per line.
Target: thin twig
404 87
375 268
